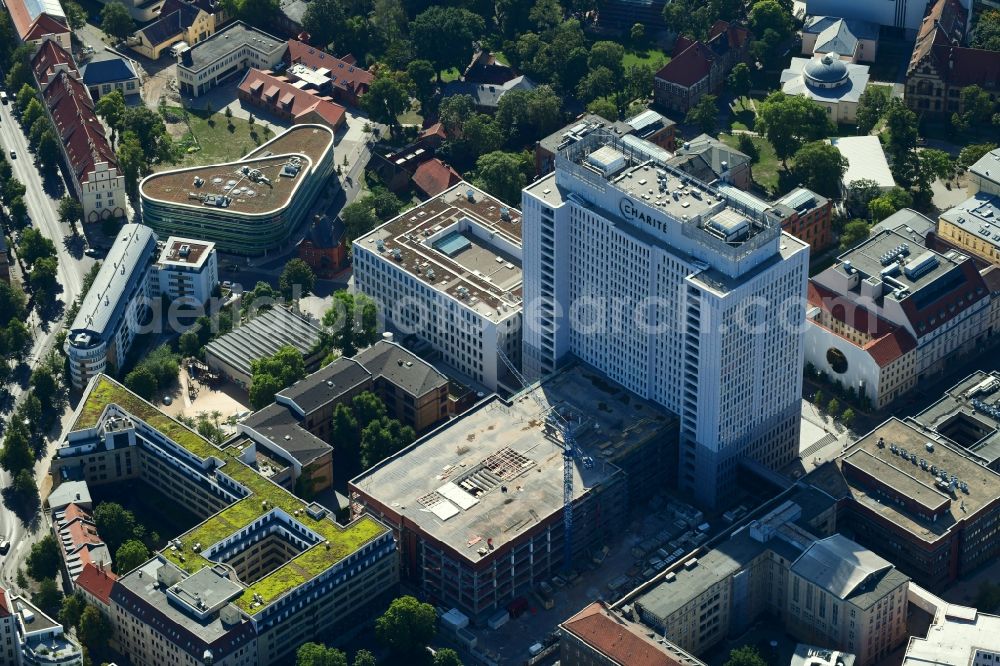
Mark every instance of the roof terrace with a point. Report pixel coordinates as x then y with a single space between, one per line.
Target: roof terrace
262 182
264 496
462 242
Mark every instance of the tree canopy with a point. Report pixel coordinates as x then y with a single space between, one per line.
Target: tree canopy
788 121
407 626
820 167
274 373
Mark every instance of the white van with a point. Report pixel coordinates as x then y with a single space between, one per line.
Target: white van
178 48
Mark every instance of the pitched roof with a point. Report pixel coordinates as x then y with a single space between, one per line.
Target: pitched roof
326 232
108 71
175 17
688 67
81 132
298 102
98 581
344 73
434 177
620 640
437 129
49 56
401 367
35 18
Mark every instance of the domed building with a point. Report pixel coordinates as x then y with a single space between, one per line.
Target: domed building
830 82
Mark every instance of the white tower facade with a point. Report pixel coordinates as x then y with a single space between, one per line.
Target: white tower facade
687 296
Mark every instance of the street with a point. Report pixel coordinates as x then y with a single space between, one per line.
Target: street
43 209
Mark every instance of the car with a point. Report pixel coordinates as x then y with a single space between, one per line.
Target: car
13 154
536 649
90 252
4 547
226 284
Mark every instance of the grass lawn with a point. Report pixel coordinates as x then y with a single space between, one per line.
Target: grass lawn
648 56
744 116
765 171
216 142
449 75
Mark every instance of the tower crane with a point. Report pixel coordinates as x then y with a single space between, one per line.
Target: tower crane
570 450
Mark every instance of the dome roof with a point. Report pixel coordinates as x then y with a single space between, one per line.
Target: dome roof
826 71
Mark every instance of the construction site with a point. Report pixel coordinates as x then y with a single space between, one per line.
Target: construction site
479 505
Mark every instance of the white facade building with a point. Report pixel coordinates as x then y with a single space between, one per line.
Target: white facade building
234 49
904 14
102 192
187 270
112 310
677 291
449 272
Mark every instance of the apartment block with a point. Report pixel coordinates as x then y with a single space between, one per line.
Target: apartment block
477 505
187 271
958 636
263 573
972 227
916 498
449 273
646 273
110 314
968 414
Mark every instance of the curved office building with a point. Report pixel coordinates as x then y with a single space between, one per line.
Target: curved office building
245 207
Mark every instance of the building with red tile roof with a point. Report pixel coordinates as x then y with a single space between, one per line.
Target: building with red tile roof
941 65
596 636
892 311
91 161
290 101
49 60
95 582
77 535
339 78
699 68
38 20
434 177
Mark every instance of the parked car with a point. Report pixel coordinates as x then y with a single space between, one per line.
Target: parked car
13 154
4 547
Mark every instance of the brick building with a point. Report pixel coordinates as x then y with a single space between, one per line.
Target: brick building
699 68
324 247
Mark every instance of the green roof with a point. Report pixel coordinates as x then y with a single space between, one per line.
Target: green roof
300 569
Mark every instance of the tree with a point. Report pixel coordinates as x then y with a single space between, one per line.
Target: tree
860 193
444 36
383 437
34 246
44 559
749 148
314 654
48 597
739 79
116 20
142 382
44 279
453 111
820 166
359 218
599 82
888 203
150 131
704 114
46 388
745 656
604 108
324 21
114 523
818 398
254 12
871 107
977 105
71 610
386 100
973 153
364 658
546 14
132 161
48 151
901 141
75 14
853 233
833 408
351 322
847 418
297 279
271 374
18 212
639 81
638 34
503 174
347 434
407 626
770 15
189 344
16 454
111 108
607 54
18 76
70 211
25 96
259 299
31 113
447 656
421 73
94 630
788 121
130 555
987 32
